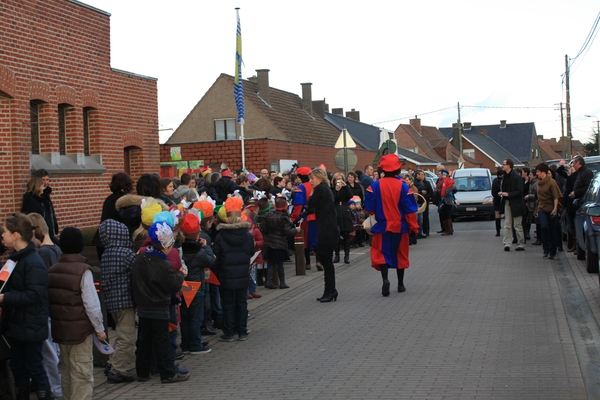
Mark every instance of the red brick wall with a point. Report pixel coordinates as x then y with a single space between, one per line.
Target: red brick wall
59 52
260 153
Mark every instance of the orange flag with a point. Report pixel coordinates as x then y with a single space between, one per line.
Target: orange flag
210 277
189 290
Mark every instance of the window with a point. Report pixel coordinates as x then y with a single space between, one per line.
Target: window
86 130
469 152
62 129
225 129
34 120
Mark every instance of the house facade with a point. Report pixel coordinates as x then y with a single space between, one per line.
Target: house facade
280 128
63 108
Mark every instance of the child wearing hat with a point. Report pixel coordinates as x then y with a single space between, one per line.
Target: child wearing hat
197 255
76 315
154 282
233 247
277 228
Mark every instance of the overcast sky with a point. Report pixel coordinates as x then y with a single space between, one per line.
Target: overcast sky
390 60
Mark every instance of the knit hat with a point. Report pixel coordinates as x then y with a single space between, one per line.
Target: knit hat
355 199
389 163
71 241
160 233
303 171
205 170
149 209
190 224
165 216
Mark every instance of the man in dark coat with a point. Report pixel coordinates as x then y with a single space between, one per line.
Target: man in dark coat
513 205
584 177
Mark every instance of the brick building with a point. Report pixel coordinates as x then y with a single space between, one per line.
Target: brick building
279 126
63 108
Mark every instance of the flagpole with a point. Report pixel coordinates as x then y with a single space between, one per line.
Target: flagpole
238 88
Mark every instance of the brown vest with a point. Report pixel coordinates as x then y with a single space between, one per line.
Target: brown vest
70 323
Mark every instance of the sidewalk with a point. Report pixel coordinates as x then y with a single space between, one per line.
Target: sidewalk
476 322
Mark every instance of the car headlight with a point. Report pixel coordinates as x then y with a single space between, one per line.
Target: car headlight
488 200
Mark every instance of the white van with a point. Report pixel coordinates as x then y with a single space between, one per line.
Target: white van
474 194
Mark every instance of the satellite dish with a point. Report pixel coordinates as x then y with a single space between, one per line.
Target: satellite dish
388 147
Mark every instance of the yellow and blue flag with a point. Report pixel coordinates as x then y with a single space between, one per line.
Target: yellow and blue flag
238 90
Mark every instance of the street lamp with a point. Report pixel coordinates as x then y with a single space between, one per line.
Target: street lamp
597 130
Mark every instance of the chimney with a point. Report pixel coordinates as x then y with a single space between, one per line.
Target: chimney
263 84
416 123
307 97
483 132
320 107
355 115
467 126
337 111
502 123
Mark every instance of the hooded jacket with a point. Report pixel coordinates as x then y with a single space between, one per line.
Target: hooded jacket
277 228
115 264
234 246
197 258
25 308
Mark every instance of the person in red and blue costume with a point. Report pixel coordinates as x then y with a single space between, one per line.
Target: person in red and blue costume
309 223
395 207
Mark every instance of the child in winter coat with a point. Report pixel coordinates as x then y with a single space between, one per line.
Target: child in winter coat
233 247
116 262
198 255
277 228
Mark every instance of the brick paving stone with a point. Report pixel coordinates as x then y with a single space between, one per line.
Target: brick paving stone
476 322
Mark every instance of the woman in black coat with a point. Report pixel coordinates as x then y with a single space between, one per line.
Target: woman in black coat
496 184
341 196
321 203
25 310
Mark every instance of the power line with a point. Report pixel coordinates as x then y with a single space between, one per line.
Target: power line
412 115
589 39
504 107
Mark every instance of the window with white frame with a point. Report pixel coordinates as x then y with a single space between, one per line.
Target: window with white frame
469 152
225 129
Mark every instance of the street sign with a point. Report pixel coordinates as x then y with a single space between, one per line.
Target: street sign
339 160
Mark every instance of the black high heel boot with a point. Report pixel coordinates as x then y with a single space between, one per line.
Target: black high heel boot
332 294
498 226
336 259
385 289
400 273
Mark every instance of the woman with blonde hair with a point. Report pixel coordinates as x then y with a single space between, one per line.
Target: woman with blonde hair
321 203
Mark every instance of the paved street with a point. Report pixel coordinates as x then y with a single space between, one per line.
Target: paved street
476 322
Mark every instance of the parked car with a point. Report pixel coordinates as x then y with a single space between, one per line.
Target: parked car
431 178
587 226
474 196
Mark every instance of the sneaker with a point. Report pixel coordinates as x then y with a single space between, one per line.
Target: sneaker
179 356
226 338
520 249
243 338
202 350
176 378
250 297
115 377
208 331
506 248
204 343
256 295
181 370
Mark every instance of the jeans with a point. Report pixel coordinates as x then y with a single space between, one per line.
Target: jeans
191 323
426 220
215 310
173 333
77 369
252 280
420 222
550 232
235 311
26 363
50 352
153 333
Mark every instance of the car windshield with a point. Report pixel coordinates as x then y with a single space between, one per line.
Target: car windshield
472 184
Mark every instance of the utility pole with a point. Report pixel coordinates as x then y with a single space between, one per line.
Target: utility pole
460 131
569 137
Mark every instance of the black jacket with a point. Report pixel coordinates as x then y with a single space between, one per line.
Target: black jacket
197 258
584 177
496 185
223 187
153 281
43 206
25 308
341 198
321 203
512 183
276 228
234 246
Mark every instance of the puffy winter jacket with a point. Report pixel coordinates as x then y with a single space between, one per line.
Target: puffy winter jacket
116 263
277 228
234 246
25 308
197 258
